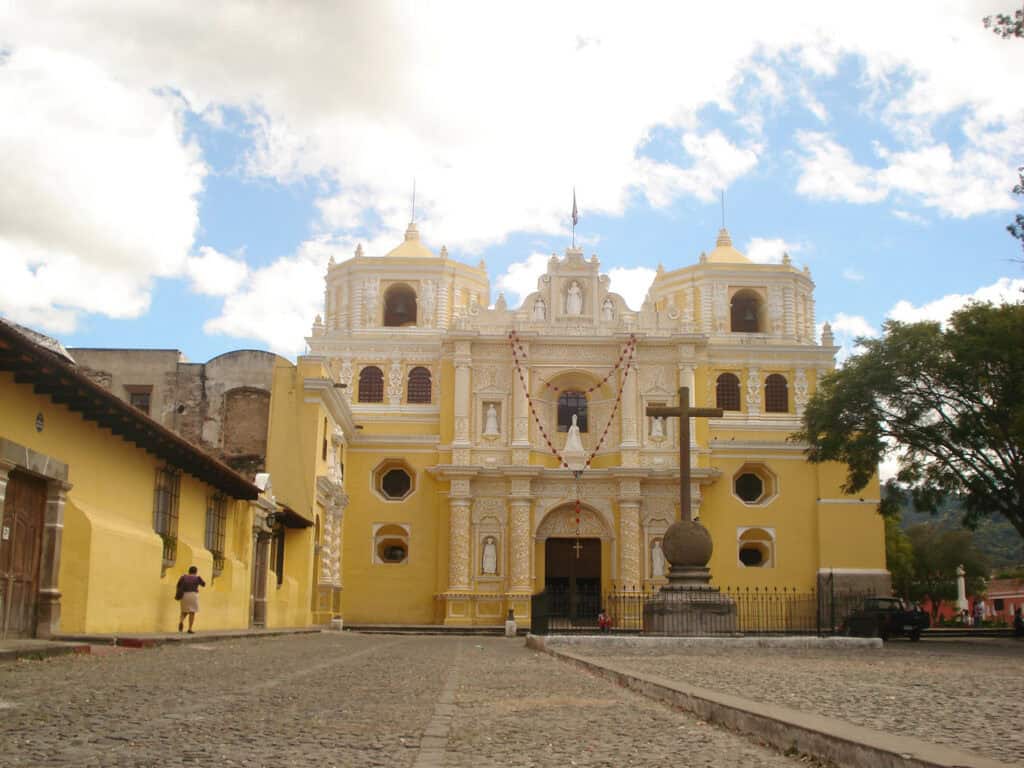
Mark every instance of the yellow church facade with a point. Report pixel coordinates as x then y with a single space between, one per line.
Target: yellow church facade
460 496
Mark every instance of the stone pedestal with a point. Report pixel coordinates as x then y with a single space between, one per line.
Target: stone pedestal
688 605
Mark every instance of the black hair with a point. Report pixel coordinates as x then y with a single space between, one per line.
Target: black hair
193 569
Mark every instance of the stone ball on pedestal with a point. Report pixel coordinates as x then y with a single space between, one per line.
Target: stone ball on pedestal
687 543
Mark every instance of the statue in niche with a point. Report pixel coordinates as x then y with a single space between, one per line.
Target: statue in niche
491 422
607 310
574 299
489 558
657 560
657 428
573 443
539 310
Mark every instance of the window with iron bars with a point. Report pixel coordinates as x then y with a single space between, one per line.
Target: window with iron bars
216 529
165 511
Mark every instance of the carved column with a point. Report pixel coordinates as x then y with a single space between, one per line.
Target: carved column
629 420
687 379
48 610
519 524
463 398
800 396
458 536
521 414
629 531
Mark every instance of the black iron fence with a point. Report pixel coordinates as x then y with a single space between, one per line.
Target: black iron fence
731 611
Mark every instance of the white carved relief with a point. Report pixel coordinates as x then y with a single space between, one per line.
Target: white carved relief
460 487
775 318
562 523
657 508
462 428
427 301
489 507
395 383
800 396
754 392
722 323
345 376
371 288
522 426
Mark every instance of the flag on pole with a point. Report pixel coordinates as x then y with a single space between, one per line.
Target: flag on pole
575 212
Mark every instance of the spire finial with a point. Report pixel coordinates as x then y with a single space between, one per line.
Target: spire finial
412 217
575 216
723 208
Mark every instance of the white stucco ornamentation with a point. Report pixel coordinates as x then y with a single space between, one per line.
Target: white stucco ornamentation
754 392
800 396
458 546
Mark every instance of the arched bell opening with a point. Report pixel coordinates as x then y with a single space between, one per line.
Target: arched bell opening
399 306
746 312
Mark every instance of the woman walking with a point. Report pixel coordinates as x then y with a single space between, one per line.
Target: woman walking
188 593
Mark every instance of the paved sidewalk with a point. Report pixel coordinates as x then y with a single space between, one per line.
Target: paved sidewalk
13 649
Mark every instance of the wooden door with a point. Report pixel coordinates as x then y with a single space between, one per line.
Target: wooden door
261 552
21 542
572 578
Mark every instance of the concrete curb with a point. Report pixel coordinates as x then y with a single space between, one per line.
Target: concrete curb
649 641
785 729
153 641
44 651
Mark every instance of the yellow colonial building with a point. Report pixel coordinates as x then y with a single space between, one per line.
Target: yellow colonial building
460 498
102 509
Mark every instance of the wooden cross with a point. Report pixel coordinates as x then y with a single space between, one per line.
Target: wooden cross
578 546
684 412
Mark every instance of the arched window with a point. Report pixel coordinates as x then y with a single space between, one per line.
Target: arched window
371 385
727 392
568 404
746 312
419 385
756 548
399 306
776 394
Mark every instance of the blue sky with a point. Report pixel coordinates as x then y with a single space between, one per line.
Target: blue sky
180 180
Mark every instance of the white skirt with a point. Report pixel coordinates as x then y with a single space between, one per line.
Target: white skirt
190 602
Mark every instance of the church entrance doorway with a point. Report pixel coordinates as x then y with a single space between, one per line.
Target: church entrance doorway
572 578
20 549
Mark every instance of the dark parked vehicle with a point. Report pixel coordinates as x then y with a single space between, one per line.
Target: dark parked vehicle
886 617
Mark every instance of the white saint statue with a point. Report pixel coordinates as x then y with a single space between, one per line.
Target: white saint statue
657 560
490 557
607 310
574 299
491 422
573 444
538 309
657 428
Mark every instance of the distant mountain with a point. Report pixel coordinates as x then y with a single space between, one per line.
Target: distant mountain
995 537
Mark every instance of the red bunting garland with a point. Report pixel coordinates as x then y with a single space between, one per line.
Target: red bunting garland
626 355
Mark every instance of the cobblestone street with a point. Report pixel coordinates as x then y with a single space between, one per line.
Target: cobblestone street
342 700
965 694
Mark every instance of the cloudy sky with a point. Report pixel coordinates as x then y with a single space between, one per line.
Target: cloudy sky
178 174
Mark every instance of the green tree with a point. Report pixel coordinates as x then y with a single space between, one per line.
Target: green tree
1006 26
949 402
936 555
899 557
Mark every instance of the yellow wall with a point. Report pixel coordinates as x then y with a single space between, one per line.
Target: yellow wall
110 574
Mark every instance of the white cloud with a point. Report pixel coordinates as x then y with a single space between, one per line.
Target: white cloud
1004 290
277 304
829 172
98 194
717 162
769 250
520 279
852 274
362 98
913 218
812 104
845 330
631 283
215 274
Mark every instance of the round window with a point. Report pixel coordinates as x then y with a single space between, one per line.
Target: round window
396 483
749 487
751 556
